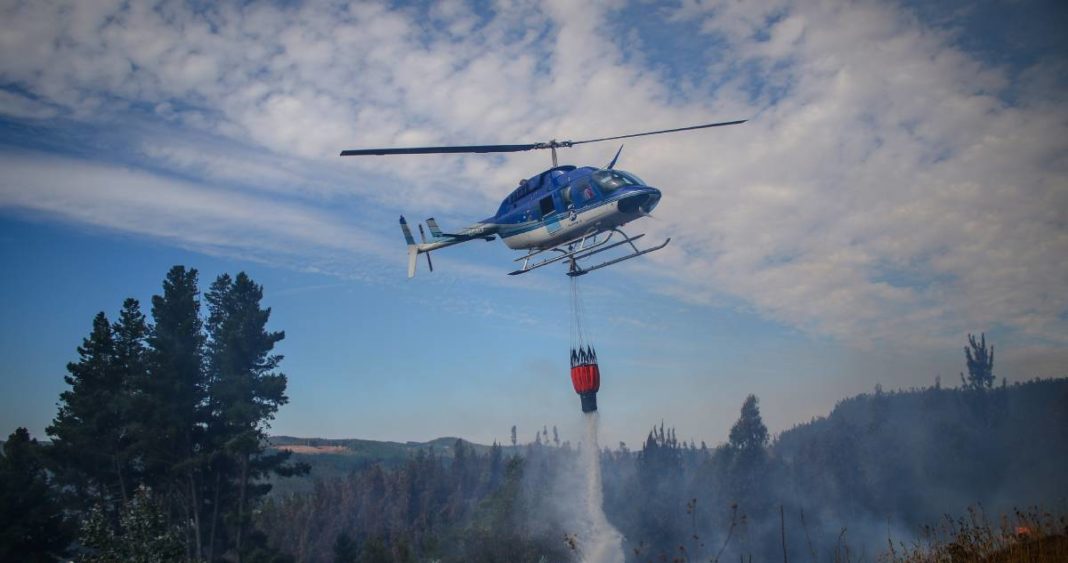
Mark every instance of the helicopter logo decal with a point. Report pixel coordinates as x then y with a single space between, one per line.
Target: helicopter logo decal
596 202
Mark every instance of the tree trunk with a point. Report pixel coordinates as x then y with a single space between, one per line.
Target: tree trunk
196 513
241 504
214 516
122 482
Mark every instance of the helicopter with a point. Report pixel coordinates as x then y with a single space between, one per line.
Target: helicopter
556 215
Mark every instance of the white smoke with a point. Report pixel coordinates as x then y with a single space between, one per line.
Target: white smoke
600 542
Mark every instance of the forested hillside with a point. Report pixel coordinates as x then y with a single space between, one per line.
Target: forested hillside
880 466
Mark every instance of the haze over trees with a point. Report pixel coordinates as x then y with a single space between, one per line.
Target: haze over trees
879 467
159 452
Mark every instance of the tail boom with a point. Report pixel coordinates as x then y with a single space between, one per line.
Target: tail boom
438 239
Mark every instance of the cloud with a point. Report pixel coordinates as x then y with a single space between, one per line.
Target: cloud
135 201
891 186
890 194
14 105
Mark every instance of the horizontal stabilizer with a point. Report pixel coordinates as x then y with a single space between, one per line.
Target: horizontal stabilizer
435 231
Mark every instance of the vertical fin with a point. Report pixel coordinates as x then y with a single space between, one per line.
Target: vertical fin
413 249
413 255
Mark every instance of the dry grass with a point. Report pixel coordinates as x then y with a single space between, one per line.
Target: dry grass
1027 535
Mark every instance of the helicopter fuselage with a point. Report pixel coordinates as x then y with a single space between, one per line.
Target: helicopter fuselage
566 202
558 206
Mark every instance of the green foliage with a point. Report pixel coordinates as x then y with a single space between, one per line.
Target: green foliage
243 394
143 534
345 549
749 433
173 397
92 431
980 362
375 551
182 407
32 527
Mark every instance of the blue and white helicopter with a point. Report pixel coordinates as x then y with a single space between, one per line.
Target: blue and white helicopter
559 214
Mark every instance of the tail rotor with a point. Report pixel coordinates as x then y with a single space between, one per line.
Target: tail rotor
422 236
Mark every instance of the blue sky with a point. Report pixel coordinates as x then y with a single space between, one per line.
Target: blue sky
902 182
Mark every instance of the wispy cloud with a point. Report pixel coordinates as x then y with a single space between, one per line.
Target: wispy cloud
131 200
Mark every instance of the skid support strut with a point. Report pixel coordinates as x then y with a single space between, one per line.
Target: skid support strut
576 250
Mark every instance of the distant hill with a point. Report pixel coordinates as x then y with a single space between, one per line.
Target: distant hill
332 458
919 453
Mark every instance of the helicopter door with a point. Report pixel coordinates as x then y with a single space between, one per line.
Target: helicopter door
548 214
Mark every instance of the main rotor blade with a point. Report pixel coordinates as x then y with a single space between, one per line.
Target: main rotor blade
518 148
720 124
444 150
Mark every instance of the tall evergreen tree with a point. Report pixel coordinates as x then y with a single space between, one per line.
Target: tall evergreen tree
747 458
749 433
91 430
173 398
245 392
31 522
659 471
130 368
980 364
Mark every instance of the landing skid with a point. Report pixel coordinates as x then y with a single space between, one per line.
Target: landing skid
581 248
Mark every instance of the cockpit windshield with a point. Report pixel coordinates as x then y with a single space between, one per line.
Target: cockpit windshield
610 180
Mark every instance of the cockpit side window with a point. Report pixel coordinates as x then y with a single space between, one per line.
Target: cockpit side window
581 192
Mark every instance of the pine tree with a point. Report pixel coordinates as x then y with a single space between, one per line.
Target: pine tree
91 431
749 433
244 393
172 399
747 459
130 367
980 364
31 523
659 470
